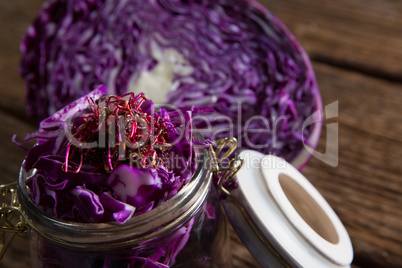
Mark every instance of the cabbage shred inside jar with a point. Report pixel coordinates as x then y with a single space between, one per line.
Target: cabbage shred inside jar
127 204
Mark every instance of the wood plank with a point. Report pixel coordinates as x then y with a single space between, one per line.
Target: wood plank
11 156
17 255
360 34
366 103
365 188
15 17
366 202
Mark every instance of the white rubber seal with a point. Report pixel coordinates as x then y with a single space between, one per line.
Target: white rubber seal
291 213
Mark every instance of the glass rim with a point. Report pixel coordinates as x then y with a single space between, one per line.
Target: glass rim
168 216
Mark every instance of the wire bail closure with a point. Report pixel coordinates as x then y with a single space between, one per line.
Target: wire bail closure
9 211
227 175
228 171
12 220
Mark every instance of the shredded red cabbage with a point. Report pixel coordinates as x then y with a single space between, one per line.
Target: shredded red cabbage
106 158
235 57
144 159
165 255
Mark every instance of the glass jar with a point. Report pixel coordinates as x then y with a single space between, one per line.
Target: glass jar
277 213
189 230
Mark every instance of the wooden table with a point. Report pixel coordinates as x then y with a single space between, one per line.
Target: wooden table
356 50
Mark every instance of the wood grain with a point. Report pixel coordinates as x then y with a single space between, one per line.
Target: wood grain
365 188
15 17
11 156
363 35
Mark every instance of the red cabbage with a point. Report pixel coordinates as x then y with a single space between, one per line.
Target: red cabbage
102 183
234 57
93 184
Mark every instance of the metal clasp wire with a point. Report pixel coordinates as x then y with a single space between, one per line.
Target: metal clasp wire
227 177
227 172
8 211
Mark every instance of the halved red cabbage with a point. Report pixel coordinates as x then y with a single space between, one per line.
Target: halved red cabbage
231 55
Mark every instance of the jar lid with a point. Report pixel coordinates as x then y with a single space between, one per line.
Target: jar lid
282 219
